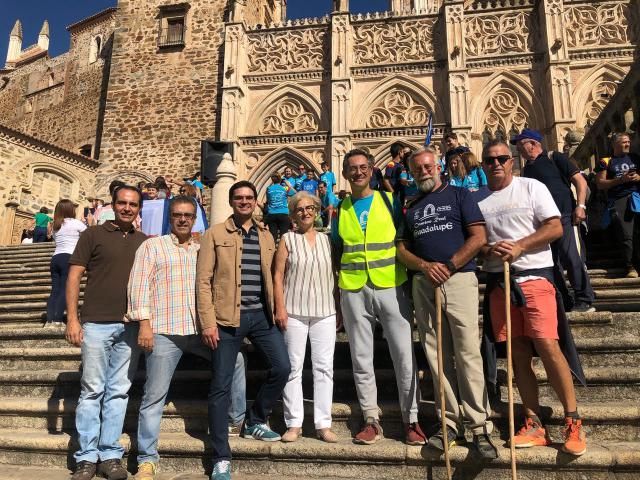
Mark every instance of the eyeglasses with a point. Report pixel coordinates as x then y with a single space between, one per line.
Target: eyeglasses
359 168
502 159
188 216
308 209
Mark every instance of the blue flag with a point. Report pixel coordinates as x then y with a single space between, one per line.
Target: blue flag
427 141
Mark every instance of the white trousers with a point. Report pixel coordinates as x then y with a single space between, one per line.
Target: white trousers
322 336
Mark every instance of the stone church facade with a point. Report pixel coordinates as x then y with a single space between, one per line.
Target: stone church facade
165 74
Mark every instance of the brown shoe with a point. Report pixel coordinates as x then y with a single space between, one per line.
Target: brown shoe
370 433
84 471
291 435
632 273
327 435
113 470
414 434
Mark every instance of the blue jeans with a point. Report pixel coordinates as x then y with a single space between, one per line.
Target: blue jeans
109 362
270 341
39 234
57 302
161 364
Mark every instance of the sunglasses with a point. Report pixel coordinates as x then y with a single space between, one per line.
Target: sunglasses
502 159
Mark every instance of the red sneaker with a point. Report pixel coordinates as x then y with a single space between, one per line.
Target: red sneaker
370 433
531 434
414 434
575 442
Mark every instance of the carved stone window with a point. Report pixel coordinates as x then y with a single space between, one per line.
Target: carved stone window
95 48
173 25
397 108
289 115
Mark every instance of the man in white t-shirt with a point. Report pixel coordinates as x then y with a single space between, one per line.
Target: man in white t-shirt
522 220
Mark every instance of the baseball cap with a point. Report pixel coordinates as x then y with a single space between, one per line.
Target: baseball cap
527 134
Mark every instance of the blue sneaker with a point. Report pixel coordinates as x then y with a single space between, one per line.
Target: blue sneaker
221 470
261 431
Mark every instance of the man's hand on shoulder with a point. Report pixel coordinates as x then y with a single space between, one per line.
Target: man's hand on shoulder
210 337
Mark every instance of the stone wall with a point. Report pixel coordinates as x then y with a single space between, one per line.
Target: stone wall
60 100
162 101
36 174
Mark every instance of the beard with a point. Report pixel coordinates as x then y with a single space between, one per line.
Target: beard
426 185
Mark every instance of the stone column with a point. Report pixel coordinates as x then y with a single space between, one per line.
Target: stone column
226 176
9 216
233 98
341 91
458 74
558 73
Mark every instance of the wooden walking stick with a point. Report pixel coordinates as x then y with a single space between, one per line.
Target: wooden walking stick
443 409
507 308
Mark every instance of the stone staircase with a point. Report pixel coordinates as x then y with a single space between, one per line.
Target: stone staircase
39 386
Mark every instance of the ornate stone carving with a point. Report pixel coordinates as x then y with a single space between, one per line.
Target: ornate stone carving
597 25
497 34
397 108
600 95
504 113
299 49
394 42
288 116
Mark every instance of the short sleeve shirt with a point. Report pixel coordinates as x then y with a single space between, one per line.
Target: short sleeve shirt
556 178
42 219
277 199
436 224
107 253
516 212
310 186
329 178
616 168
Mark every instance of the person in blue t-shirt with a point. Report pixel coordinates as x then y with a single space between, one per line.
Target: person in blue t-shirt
327 176
442 233
277 207
328 202
620 178
310 183
289 177
301 177
409 187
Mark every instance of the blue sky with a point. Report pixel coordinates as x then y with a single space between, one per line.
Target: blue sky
62 13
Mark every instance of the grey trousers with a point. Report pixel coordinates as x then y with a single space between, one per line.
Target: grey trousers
461 349
392 308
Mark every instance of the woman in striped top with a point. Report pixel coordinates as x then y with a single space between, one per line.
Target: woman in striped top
305 307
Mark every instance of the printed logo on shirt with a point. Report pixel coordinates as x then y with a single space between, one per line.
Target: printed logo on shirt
364 217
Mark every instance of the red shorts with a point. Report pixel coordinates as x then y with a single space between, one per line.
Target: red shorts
538 319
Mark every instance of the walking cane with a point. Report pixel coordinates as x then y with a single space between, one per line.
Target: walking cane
507 307
443 415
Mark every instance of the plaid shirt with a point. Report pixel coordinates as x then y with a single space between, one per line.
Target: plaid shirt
162 286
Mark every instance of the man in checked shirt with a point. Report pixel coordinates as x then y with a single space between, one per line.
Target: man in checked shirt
162 299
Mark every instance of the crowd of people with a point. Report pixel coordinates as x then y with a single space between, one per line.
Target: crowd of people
398 240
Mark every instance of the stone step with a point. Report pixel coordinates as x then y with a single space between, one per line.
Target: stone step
602 421
605 383
53 353
387 459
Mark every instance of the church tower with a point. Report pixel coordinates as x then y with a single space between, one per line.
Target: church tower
15 44
43 37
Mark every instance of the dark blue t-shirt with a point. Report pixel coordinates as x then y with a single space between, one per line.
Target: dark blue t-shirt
616 168
436 224
555 177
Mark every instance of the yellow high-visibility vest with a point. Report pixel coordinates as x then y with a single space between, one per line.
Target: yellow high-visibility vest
370 254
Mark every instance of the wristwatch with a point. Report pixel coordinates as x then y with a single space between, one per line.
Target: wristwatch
451 267
583 206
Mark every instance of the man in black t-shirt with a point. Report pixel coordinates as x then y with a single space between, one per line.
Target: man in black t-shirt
620 178
558 173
